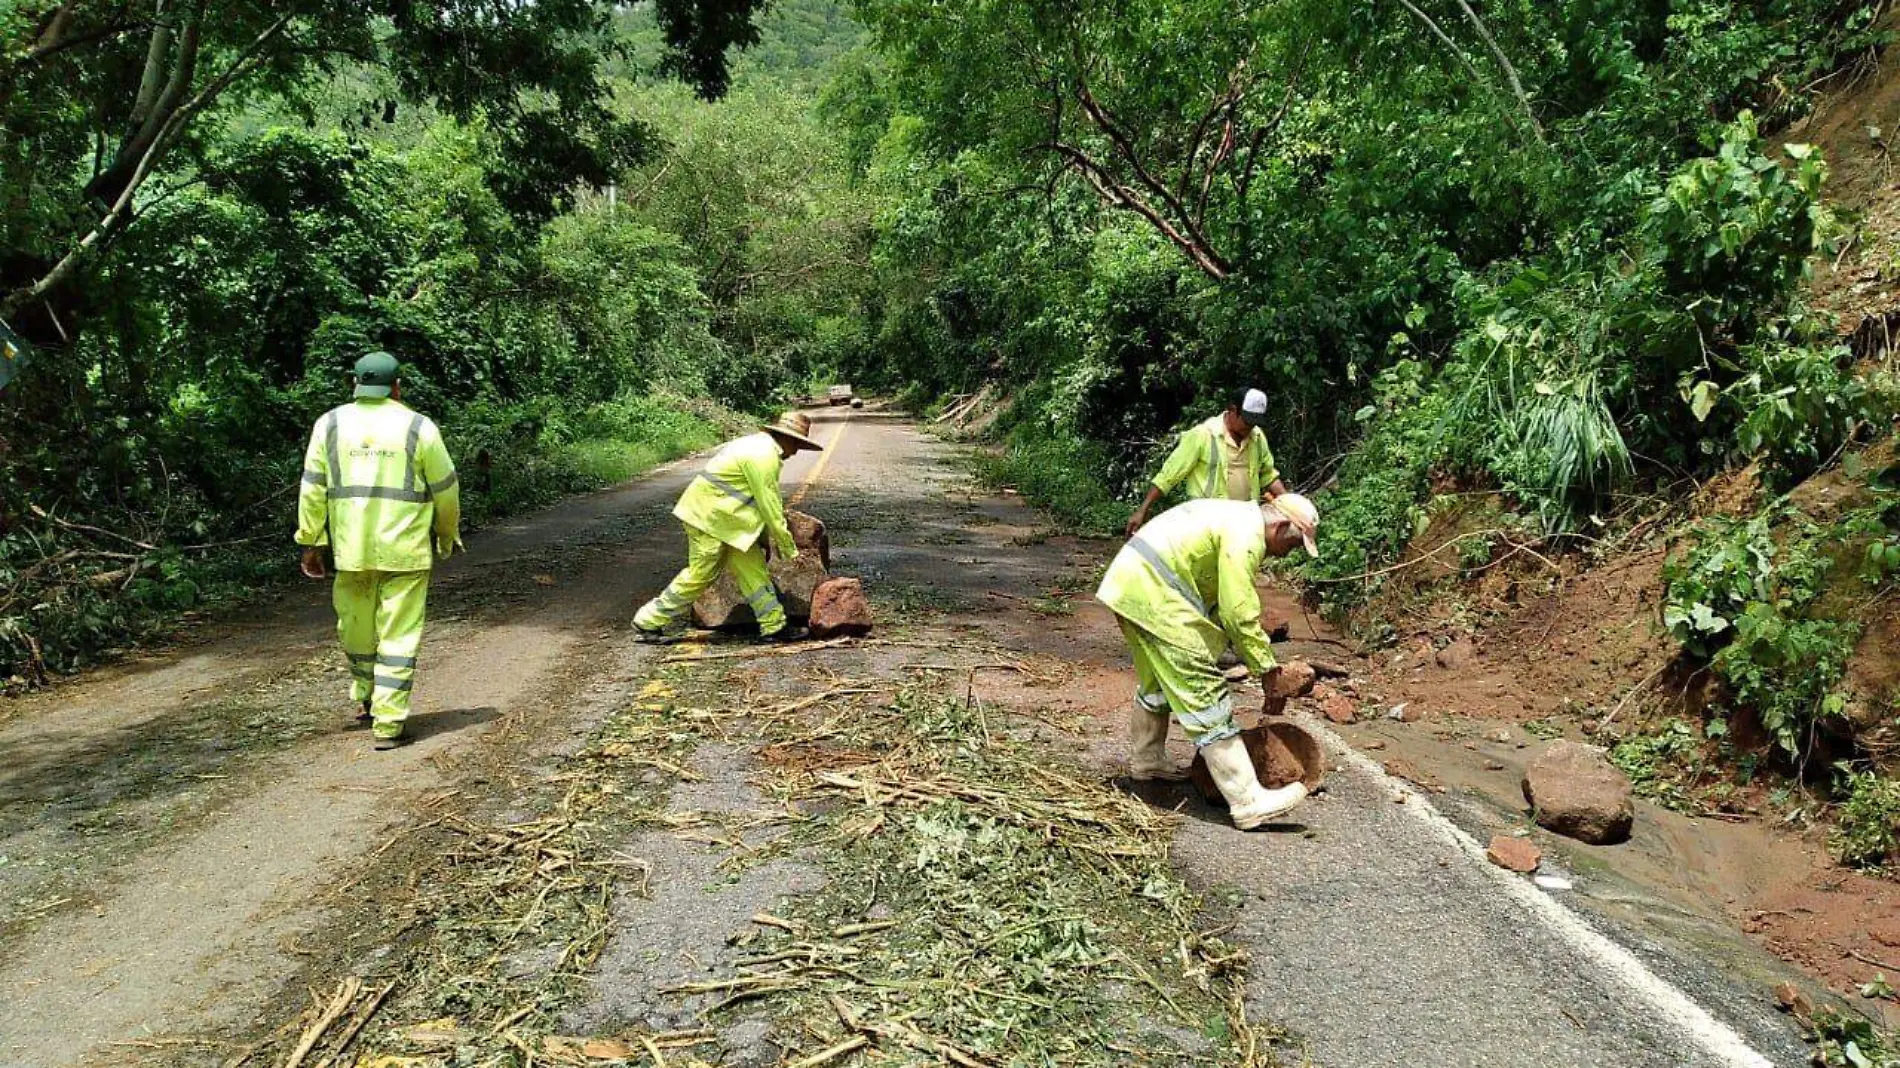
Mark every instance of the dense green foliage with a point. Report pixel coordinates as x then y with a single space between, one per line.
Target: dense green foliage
1538 247
1749 596
1868 832
583 269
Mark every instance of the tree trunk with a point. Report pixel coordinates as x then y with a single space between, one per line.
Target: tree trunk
106 187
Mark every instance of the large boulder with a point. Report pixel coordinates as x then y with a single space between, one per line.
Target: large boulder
1282 753
1575 791
839 610
797 580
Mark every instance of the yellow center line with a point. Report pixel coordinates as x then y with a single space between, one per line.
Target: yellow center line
819 467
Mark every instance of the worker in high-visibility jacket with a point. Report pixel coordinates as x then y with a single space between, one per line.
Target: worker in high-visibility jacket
1183 591
1222 458
733 513
379 493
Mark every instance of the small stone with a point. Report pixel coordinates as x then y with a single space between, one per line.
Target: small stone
1334 705
1457 656
1500 736
1276 623
1376 743
1885 932
1494 765
1791 999
1511 853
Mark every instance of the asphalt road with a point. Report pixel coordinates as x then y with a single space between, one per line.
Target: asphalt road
150 897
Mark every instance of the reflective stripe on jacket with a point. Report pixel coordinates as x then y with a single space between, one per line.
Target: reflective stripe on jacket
1199 462
378 486
1193 568
736 498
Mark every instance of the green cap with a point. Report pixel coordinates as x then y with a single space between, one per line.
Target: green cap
375 374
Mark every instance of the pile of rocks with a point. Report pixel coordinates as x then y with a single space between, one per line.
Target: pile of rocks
832 607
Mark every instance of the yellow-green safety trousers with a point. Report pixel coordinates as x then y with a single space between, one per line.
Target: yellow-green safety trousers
1183 590
1187 682
379 617
706 557
380 491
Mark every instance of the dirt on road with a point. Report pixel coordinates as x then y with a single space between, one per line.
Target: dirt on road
909 849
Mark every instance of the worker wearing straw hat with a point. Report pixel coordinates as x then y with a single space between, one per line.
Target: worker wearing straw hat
1182 589
733 514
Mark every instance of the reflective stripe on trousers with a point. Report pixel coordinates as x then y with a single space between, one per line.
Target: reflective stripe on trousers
706 558
1190 682
379 618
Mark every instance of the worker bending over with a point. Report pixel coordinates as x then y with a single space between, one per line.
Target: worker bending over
1183 589
733 513
379 491
1224 458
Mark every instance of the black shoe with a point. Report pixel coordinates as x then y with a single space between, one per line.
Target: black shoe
787 635
365 716
655 637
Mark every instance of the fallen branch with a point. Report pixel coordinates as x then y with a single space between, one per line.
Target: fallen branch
1865 959
1634 690
789 650
346 992
357 1025
831 1053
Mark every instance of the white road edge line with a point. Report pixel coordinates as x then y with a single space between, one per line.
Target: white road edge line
1670 1004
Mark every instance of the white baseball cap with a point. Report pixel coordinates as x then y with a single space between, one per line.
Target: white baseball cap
1253 407
1302 514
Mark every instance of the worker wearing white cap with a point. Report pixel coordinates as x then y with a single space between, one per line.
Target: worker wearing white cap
1182 589
1223 458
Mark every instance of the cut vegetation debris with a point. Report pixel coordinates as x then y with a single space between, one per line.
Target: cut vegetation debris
982 906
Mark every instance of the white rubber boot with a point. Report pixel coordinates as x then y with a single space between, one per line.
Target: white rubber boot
1148 745
1248 803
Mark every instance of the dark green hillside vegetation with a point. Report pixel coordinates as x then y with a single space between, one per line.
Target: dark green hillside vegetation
1554 256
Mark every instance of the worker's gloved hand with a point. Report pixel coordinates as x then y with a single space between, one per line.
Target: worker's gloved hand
445 545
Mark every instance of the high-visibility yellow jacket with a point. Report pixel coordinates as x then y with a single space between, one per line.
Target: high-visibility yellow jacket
378 485
1193 568
1199 462
736 498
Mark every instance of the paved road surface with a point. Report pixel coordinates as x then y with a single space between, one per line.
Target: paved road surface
173 827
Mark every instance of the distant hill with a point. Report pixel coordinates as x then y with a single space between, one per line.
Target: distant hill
800 40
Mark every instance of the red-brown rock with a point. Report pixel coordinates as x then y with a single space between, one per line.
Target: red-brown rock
1511 853
1575 791
1282 753
1334 705
838 609
1456 656
1293 680
1793 999
1276 623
